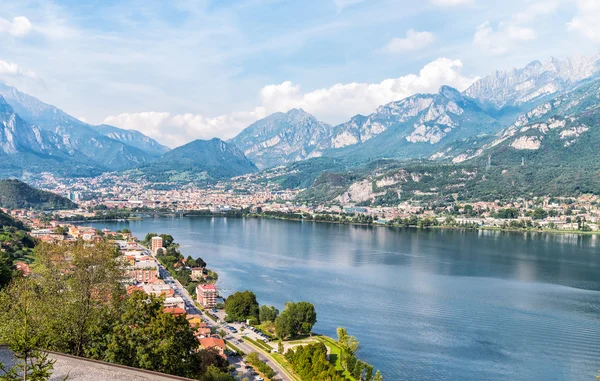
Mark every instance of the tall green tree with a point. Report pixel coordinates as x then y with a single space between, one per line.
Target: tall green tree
25 331
241 306
348 343
86 278
268 313
296 319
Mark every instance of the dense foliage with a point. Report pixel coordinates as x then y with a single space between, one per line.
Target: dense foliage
74 303
262 366
15 245
15 194
296 319
310 363
241 306
268 313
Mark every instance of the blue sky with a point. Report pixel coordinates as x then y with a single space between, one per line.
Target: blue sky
180 70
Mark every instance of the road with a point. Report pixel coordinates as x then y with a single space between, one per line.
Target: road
236 339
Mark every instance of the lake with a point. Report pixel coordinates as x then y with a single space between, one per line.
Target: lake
424 304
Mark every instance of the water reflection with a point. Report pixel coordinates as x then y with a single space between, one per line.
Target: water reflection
425 304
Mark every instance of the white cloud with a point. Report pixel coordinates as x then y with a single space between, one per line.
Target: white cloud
333 104
451 3
175 130
414 40
11 69
19 27
510 33
586 20
501 40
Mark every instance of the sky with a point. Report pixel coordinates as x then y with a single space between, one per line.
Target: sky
187 69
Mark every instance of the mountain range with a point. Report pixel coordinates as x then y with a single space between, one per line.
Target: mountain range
513 116
420 126
107 148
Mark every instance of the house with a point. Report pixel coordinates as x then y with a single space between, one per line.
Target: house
215 344
143 275
174 302
195 321
174 310
197 273
207 295
158 289
202 332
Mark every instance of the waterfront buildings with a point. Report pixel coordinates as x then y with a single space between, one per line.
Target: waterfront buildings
157 243
197 273
207 295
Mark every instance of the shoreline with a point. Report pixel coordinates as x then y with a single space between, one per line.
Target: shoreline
375 224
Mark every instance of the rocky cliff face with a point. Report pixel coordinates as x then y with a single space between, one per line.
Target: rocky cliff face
533 82
109 153
284 137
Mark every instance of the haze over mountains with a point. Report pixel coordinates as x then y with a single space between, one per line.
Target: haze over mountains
448 125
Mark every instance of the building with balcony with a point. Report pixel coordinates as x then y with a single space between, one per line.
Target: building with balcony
207 295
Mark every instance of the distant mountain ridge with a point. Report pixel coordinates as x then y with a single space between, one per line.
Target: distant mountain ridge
30 149
418 126
122 150
533 82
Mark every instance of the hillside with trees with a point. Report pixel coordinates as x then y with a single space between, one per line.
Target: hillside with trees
15 194
73 303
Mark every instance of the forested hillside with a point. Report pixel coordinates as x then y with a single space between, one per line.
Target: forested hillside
15 194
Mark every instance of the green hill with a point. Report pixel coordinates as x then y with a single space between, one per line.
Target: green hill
200 161
15 194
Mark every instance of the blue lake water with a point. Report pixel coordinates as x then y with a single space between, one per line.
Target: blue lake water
424 304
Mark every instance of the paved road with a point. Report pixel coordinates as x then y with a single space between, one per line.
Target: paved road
247 348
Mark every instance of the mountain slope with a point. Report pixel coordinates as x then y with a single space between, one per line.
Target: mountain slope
416 127
132 138
15 194
534 82
29 149
105 151
199 160
283 138
552 150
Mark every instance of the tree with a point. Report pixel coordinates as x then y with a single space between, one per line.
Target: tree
357 372
167 239
60 230
280 347
539 214
296 319
24 331
368 372
348 343
378 376
268 313
87 278
241 306
5 269
222 333
148 338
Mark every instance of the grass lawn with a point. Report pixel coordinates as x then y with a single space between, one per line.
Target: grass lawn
335 355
